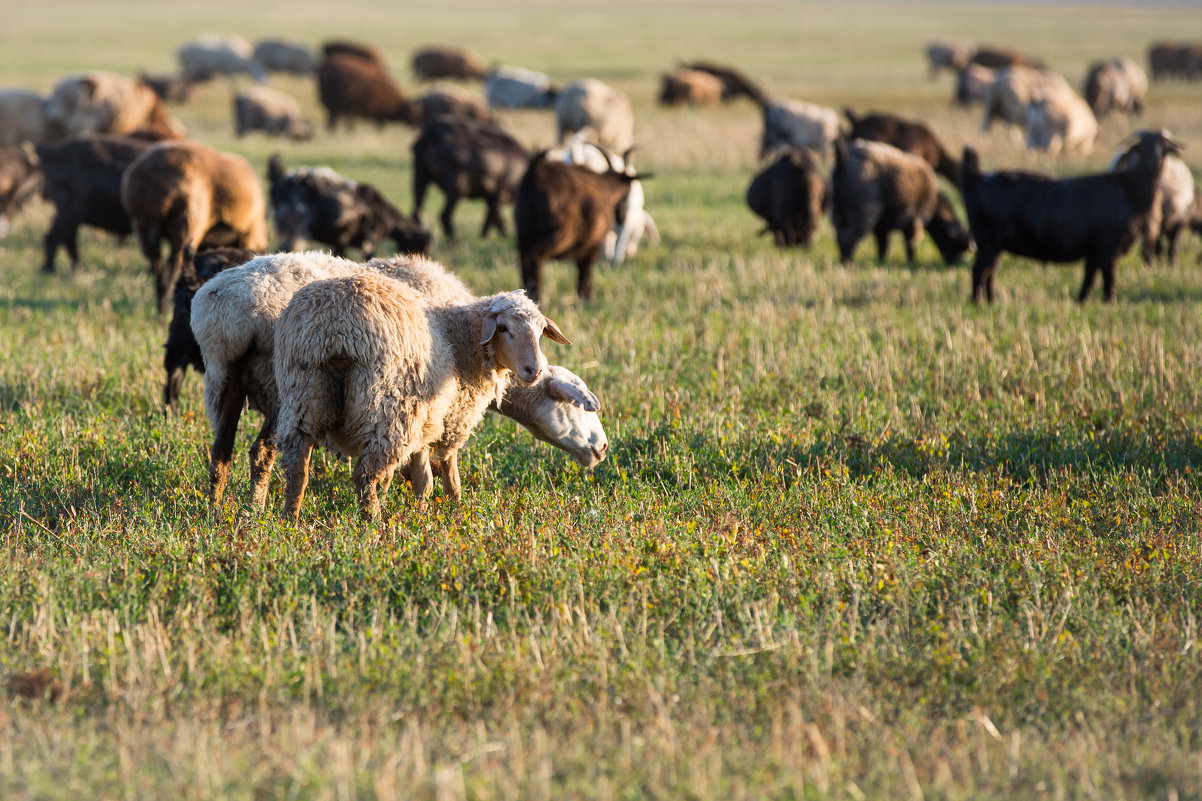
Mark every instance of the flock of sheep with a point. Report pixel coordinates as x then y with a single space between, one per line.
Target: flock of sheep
394 361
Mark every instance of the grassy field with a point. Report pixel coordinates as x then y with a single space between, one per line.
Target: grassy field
856 538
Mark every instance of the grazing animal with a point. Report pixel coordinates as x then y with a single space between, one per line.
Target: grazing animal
208 56
107 103
790 196
466 158
908 136
444 99
23 118
1174 60
877 188
352 86
285 55
195 197
514 87
181 350
1058 119
319 204
972 84
1118 85
954 56
20 180
795 123
565 211
170 88
1172 206
276 113
690 87
1090 217
1010 95
83 181
439 61
999 57
602 109
360 50
734 83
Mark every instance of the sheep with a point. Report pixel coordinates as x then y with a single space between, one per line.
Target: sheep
972 84
172 88
1090 217
908 136
285 55
107 103
1000 57
83 181
631 219
195 197
342 47
734 83
1011 93
514 87
20 180
467 158
602 109
1172 206
795 123
206 56
791 196
351 85
437 61
1174 60
23 118
444 99
319 204
1057 118
954 56
564 211
234 317
692 87
181 350
1116 85
260 108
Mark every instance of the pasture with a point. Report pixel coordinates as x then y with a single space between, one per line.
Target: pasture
855 538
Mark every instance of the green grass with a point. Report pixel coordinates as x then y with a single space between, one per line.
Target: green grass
856 538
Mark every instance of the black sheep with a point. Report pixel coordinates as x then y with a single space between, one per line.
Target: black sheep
791 196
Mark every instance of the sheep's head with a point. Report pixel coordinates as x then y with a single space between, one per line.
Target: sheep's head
511 330
562 411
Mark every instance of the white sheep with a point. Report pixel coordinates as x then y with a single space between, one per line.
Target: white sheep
514 87
207 56
369 364
234 316
23 117
260 108
285 55
1172 207
594 106
1058 118
797 123
1010 94
632 219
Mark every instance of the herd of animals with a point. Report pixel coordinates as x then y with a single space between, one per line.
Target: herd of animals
394 361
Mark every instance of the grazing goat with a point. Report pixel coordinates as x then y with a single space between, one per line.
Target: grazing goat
350 85
999 57
514 87
690 87
206 57
107 103
442 100
1091 217
319 204
906 135
600 108
565 211
83 181
436 61
466 158
276 113
795 123
1117 85
195 197
790 196
20 180
734 83
1172 206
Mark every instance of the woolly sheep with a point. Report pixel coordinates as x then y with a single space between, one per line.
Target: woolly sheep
206 56
1058 119
1011 93
795 123
23 118
260 108
107 103
603 110
285 55
514 87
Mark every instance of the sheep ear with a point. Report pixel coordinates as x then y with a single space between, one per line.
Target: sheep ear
568 392
488 328
552 332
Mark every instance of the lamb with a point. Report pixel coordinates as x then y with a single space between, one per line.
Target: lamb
437 61
467 158
20 180
83 181
234 318
734 83
23 118
207 56
795 123
195 197
791 196
1116 85
876 187
514 87
1090 217
906 135
285 55
319 204
692 87
564 211
1172 206
351 85
1059 119
260 108
954 56
107 103
602 109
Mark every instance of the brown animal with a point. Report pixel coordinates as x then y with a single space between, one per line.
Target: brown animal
998 57
909 136
352 86
107 103
690 87
564 211
20 179
734 83
195 197
432 63
444 99
23 118
170 87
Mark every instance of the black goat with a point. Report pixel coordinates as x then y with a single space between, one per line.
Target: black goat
1091 217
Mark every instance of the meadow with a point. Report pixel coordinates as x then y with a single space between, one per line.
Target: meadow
855 538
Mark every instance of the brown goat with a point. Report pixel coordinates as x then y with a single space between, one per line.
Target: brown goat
564 211
195 197
690 87
351 85
438 61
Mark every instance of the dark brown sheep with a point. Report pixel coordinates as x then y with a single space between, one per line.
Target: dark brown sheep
734 83
194 197
351 86
791 197
564 211
438 61
908 136
690 87
444 100
998 57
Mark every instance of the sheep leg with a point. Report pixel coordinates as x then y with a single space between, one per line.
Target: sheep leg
912 236
221 455
371 472
297 449
262 457
421 474
983 268
448 209
451 483
532 275
494 218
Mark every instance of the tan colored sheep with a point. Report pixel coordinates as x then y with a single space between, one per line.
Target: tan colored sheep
591 104
107 103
